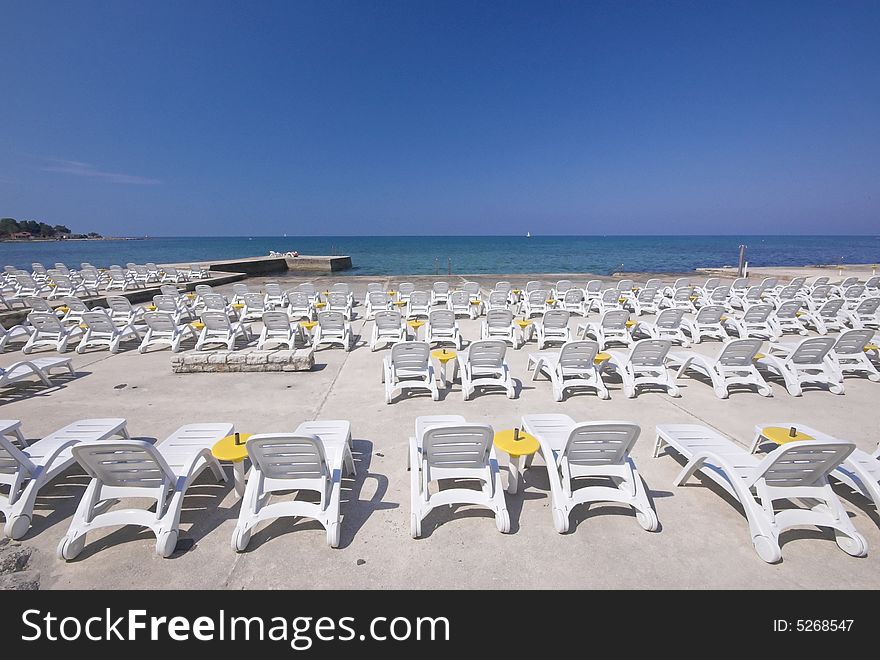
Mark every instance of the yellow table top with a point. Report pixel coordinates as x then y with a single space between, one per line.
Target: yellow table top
523 322
799 313
320 305
758 356
475 302
237 305
399 303
781 435
601 357
63 308
525 445
551 301
83 326
198 325
325 293
308 325
621 300
392 293
724 318
227 450
190 295
635 288
415 323
630 323
443 354
516 290
694 297
870 347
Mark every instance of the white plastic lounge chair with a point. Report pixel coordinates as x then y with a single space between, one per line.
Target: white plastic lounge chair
172 274
439 293
534 285
645 365
818 297
572 366
39 304
15 333
442 328
214 302
608 301
300 305
853 295
680 283
668 325
172 291
137 469
562 286
847 282
681 299
408 366
239 291
171 305
64 286
39 367
163 330
753 296
312 458
338 301
309 289
646 302
26 285
611 329
553 327
101 331
122 312
734 365
779 296
446 447
274 296
499 324
592 451
11 429
219 330
460 304
860 471
38 272
707 323
277 331
848 354
830 317
592 291
119 280
818 281
720 295
198 272
49 331
483 365
865 315
376 301
418 305
388 327
254 307
808 361
498 300
573 301
75 310
794 472
9 300
26 470
535 304
333 329
786 318
755 322
404 289
872 285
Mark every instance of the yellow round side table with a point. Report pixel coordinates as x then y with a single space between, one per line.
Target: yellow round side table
781 436
601 358
518 445
444 356
233 449
415 324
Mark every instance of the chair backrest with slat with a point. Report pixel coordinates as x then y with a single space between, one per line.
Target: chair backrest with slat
462 446
802 463
288 456
739 352
650 352
578 354
812 351
600 443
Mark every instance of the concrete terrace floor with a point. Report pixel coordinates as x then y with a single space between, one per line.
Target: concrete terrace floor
703 543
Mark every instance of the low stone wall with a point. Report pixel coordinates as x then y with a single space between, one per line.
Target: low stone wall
190 362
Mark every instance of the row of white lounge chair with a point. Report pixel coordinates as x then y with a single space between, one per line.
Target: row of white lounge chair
585 462
53 283
578 365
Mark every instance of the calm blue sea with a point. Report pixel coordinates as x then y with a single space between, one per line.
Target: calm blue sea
402 255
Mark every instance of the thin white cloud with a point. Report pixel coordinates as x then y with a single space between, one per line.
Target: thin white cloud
77 168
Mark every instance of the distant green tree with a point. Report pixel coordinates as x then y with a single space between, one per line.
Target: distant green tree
8 226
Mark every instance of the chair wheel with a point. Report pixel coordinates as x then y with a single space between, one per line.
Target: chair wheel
333 534
560 520
648 520
502 521
17 526
240 539
767 549
855 545
415 526
166 543
69 549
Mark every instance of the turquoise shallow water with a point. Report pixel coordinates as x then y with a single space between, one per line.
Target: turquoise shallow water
401 255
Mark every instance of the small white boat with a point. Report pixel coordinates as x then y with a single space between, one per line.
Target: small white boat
528 234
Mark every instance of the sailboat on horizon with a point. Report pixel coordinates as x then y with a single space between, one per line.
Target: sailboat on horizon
528 234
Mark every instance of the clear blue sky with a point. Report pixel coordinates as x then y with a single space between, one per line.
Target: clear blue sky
417 117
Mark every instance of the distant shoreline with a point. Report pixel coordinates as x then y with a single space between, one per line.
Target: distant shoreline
67 240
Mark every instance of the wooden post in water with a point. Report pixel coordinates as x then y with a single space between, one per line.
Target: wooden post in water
742 260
